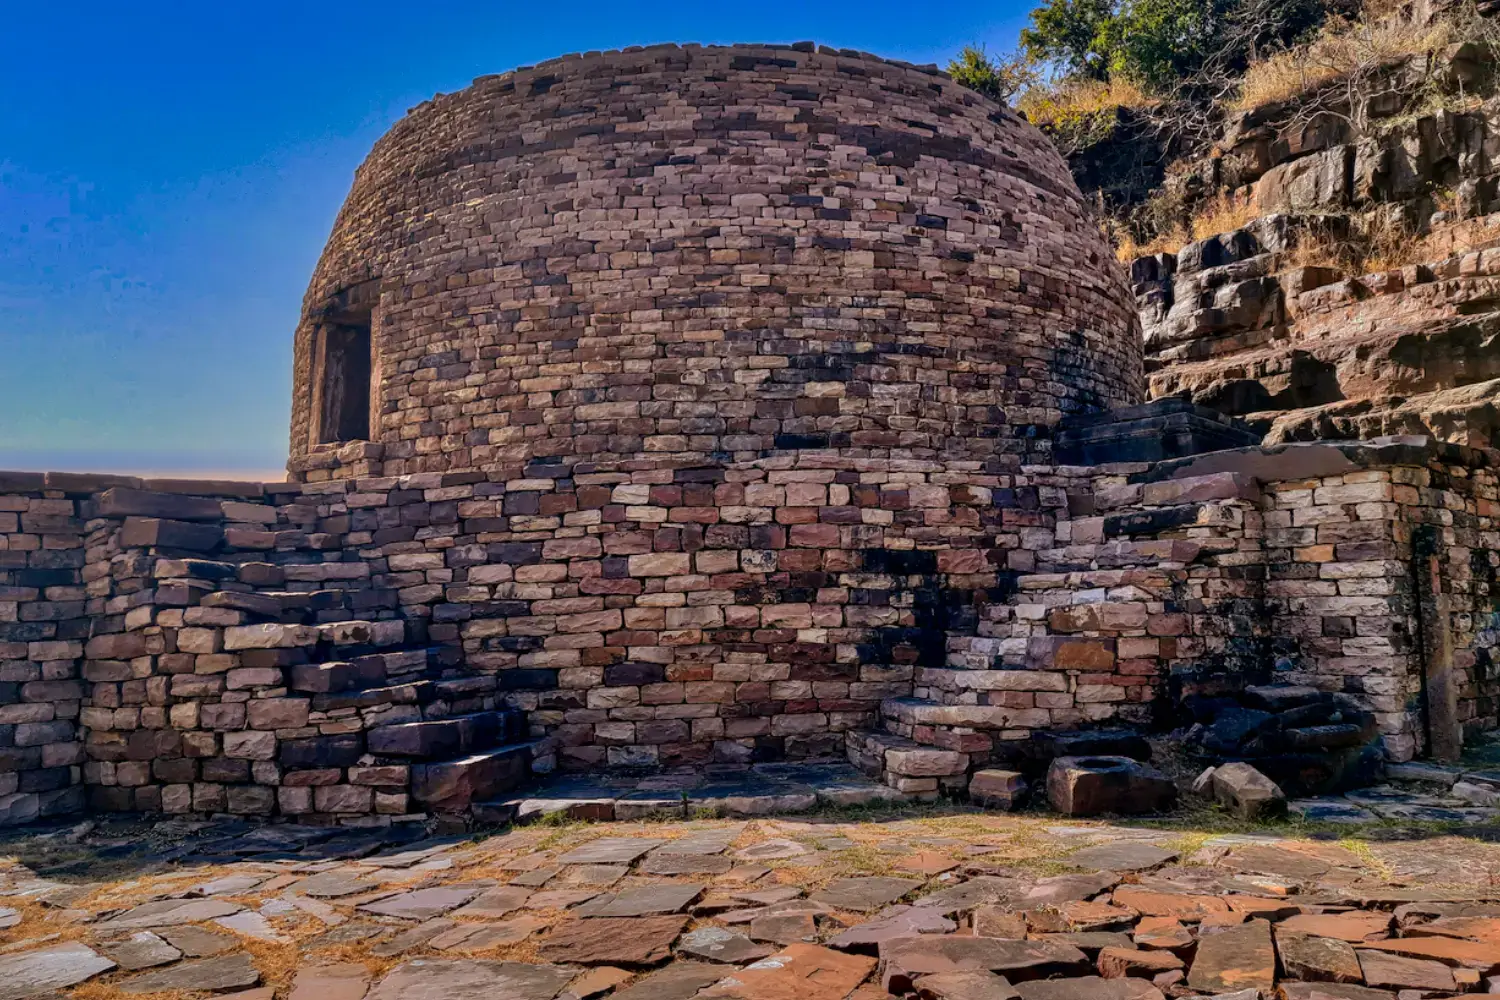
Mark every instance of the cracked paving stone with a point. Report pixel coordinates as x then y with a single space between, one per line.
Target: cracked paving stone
198 942
32 973
613 940
213 975
719 945
1384 969
907 958
865 893
142 950
471 979
974 892
1317 959
480 937
492 904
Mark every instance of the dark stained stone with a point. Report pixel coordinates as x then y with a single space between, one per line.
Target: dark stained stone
142 950
893 922
905 959
678 981
1235 958
32 973
1317 959
1124 856
609 851
613 940
471 979
720 945
1384 969
965 986
423 904
642 901
1089 988
212 975
865 893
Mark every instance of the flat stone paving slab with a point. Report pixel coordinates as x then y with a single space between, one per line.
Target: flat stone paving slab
471 979
644 901
34 973
423 904
211 975
613 940
718 944
142 950
609 851
865 893
1121 857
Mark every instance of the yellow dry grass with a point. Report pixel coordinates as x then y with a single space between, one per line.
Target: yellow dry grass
1342 48
1071 101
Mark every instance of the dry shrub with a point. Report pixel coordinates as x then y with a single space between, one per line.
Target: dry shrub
1223 214
1382 242
1071 100
1341 49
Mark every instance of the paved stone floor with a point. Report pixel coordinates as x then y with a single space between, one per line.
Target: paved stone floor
929 901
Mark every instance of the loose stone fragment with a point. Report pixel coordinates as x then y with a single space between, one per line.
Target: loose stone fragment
32 973
1246 792
994 788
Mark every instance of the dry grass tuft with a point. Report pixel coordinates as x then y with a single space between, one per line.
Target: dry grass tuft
1071 101
1341 49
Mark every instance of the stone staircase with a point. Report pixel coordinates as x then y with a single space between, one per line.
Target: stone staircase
1077 648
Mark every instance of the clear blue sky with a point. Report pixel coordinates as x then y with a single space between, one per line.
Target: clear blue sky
169 172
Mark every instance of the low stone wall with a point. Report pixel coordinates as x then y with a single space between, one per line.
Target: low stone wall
201 633
44 620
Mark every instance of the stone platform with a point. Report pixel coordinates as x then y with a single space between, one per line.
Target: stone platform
913 901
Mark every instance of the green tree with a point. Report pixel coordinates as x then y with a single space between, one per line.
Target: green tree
1071 34
1000 79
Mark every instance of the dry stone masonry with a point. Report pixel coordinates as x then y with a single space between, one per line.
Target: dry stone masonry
694 408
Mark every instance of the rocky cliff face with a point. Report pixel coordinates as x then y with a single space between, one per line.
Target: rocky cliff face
1362 297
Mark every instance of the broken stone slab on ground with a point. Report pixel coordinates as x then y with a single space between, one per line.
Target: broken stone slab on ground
33 973
1246 792
908 958
1094 786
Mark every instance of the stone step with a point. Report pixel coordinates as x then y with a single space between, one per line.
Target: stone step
451 786
440 738
338 676
906 765
921 712
412 692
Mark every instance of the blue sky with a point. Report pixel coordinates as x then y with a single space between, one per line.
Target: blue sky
169 173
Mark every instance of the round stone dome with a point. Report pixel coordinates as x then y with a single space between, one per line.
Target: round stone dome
689 255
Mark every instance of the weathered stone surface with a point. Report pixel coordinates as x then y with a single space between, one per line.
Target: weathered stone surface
1088 988
423 904
198 942
142 950
1117 963
972 893
613 940
167 912
798 972
893 922
866 893
773 850
1235 958
1396 971
679 981
341 981
905 959
1122 856
1092 786
643 901
684 864
33 973
1355 925
213 975
1317 959
492 904
964 986
784 928
995 788
470 979
719 945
